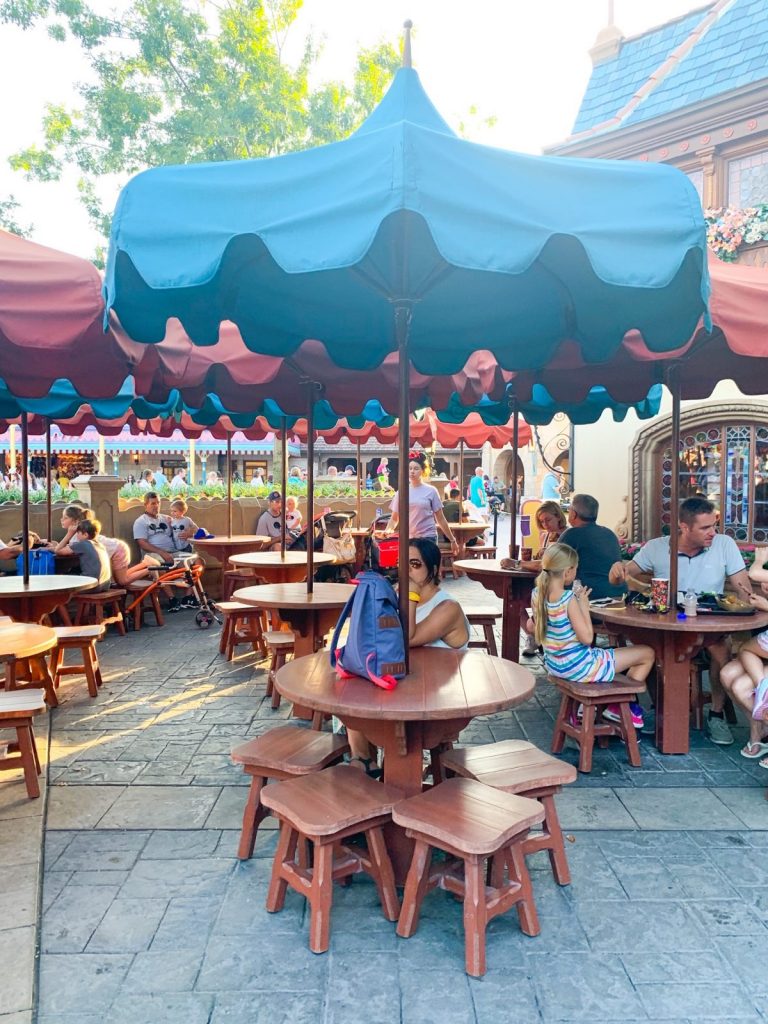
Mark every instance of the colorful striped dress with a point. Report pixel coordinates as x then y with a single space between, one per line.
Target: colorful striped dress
566 656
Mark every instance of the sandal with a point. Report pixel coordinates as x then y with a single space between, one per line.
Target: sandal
763 763
754 749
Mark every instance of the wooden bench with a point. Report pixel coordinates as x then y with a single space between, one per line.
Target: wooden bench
102 607
327 807
243 624
472 823
282 753
17 709
595 697
486 620
518 767
83 639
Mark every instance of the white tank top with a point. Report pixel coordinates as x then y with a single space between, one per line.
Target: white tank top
425 607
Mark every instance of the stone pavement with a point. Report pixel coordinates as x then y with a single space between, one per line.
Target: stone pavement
148 917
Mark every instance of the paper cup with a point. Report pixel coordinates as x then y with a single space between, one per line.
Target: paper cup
526 554
660 593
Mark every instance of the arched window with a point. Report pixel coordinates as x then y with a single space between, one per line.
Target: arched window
723 456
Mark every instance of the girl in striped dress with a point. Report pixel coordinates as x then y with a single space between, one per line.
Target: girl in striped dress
564 627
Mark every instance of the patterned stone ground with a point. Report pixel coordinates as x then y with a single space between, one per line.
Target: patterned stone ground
148 917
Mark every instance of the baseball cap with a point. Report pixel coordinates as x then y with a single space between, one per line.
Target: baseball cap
274 496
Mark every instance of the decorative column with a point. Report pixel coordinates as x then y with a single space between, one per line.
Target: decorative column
101 494
202 456
191 462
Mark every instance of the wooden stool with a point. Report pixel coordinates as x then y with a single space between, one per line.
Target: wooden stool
95 605
594 697
279 645
281 753
473 823
83 639
701 697
327 807
481 551
233 579
486 620
446 562
16 712
242 625
31 674
150 602
516 766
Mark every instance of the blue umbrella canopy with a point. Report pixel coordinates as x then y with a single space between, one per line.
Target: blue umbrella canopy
481 248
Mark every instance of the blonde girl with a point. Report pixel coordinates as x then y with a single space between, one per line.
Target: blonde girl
564 629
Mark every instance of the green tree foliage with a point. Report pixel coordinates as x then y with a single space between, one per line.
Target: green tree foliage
8 208
179 81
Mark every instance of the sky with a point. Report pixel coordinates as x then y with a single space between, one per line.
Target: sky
524 63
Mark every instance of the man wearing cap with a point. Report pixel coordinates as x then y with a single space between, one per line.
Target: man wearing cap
270 523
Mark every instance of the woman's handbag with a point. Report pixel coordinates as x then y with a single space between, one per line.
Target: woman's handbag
342 547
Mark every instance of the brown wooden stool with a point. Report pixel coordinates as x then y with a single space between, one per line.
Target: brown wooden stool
233 579
518 767
325 808
243 624
17 709
281 753
83 639
473 823
481 551
279 645
486 620
31 674
150 602
594 697
102 607
446 562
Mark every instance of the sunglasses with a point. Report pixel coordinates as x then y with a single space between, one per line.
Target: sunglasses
414 563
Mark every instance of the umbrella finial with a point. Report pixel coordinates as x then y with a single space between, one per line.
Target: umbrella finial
407 25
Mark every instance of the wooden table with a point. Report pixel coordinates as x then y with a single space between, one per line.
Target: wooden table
514 587
441 694
222 548
675 642
464 533
41 596
359 533
21 641
277 568
310 616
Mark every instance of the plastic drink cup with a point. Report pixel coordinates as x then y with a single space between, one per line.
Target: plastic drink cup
660 593
526 554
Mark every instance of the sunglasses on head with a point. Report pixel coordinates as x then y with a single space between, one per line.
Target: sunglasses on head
414 563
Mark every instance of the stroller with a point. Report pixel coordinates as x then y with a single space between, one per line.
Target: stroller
186 569
328 536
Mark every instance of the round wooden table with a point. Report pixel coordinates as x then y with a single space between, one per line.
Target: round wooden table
20 641
358 534
675 642
277 568
41 596
310 616
443 691
513 586
464 533
222 548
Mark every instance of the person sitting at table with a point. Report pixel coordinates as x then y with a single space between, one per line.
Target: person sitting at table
550 519
152 531
8 555
292 515
452 507
94 560
564 629
435 619
270 522
598 547
425 507
119 554
71 518
706 560
746 678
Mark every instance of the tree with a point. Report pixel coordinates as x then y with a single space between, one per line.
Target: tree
8 208
170 85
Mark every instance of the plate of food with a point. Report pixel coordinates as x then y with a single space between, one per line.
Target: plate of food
734 605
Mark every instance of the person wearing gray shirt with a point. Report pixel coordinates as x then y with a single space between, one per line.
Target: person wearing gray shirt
94 560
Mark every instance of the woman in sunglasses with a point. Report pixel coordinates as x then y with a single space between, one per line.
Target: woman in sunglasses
435 619
425 507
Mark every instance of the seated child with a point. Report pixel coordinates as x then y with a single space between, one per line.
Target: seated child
564 629
94 560
183 528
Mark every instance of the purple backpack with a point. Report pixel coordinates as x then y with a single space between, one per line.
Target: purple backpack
375 647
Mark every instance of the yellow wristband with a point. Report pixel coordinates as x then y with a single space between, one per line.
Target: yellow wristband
414 597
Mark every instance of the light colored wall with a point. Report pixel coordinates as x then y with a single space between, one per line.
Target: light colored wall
601 461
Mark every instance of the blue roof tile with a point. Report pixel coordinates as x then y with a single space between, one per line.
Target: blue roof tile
732 53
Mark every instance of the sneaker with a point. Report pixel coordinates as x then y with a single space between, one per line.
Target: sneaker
189 602
611 713
637 715
580 712
174 605
649 723
719 731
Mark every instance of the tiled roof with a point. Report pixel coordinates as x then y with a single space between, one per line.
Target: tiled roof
731 53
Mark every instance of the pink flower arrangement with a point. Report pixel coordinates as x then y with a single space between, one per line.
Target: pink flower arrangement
729 229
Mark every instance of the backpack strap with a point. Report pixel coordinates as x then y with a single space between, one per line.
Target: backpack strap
345 613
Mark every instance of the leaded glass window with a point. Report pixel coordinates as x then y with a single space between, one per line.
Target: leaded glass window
748 180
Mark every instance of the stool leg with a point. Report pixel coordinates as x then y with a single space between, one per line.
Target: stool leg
80 613
120 622
46 679
558 737
28 760
475 915
490 639
318 717
320 898
253 815
587 738
415 889
630 736
224 638
557 857
383 875
158 611
90 675
229 652
526 907
286 850
57 660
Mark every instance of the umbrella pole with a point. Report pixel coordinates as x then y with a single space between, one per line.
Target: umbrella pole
513 496
674 501
229 485
25 497
461 472
48 480
402 326
359 487
284 481
311 486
